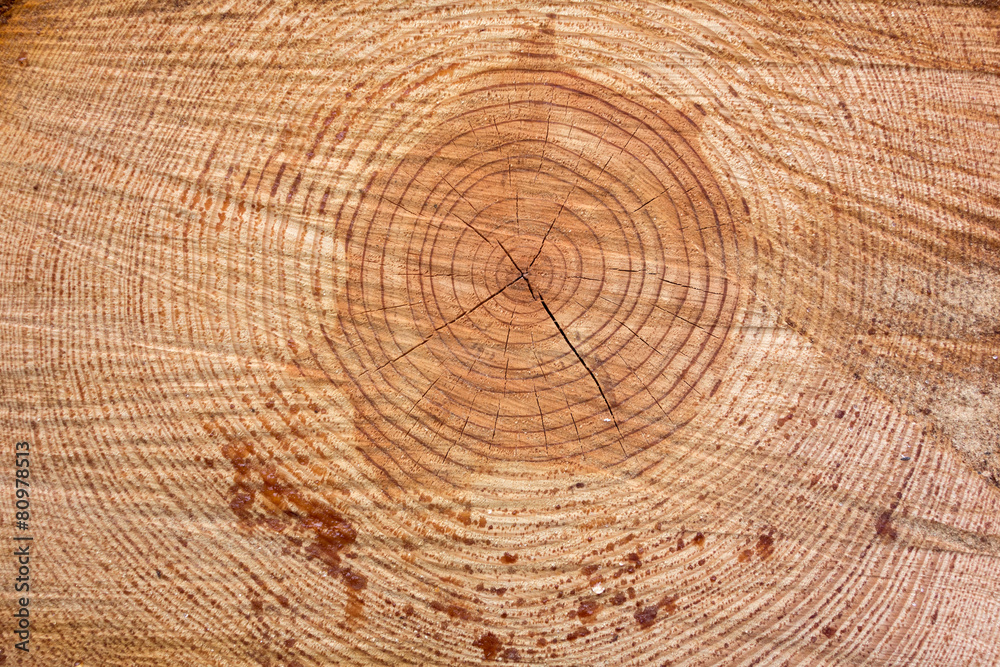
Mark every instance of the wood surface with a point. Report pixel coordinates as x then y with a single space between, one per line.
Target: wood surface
555 333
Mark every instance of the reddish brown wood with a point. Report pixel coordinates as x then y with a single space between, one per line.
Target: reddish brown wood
568 334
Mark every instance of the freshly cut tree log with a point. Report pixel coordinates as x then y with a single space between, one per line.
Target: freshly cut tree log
564 334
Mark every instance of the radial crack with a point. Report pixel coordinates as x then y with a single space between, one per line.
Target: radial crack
448 324
593 377
551 225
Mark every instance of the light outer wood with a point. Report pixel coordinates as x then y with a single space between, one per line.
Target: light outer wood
568 334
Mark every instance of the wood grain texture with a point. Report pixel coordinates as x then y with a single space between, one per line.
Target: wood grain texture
562 334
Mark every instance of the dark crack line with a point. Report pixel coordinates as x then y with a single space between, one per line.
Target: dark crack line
551 225
502 247
671 282
472 406
378 310
645 387
541 160
666 189
682 319
446 325
517 213
699 229
421 274
660 195
680 352
461 194
541 416
593 377
496 417
600 389
632 331
397 203
534 387
412 407
450 212
576 428
619 152
473 128
506 367
516 266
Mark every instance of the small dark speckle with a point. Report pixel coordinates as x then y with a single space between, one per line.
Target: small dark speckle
511 654
904 458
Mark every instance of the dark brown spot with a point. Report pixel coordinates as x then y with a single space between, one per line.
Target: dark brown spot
355 605
508 559
587 609
765 546
645 617
453 610
240 501
355 581
330 530
490 645
884 527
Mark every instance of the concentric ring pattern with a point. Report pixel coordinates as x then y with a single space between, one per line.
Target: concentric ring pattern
544 275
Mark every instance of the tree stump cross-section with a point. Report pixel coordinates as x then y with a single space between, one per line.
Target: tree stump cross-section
620 333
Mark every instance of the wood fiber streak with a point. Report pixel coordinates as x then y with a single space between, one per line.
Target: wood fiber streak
557 334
